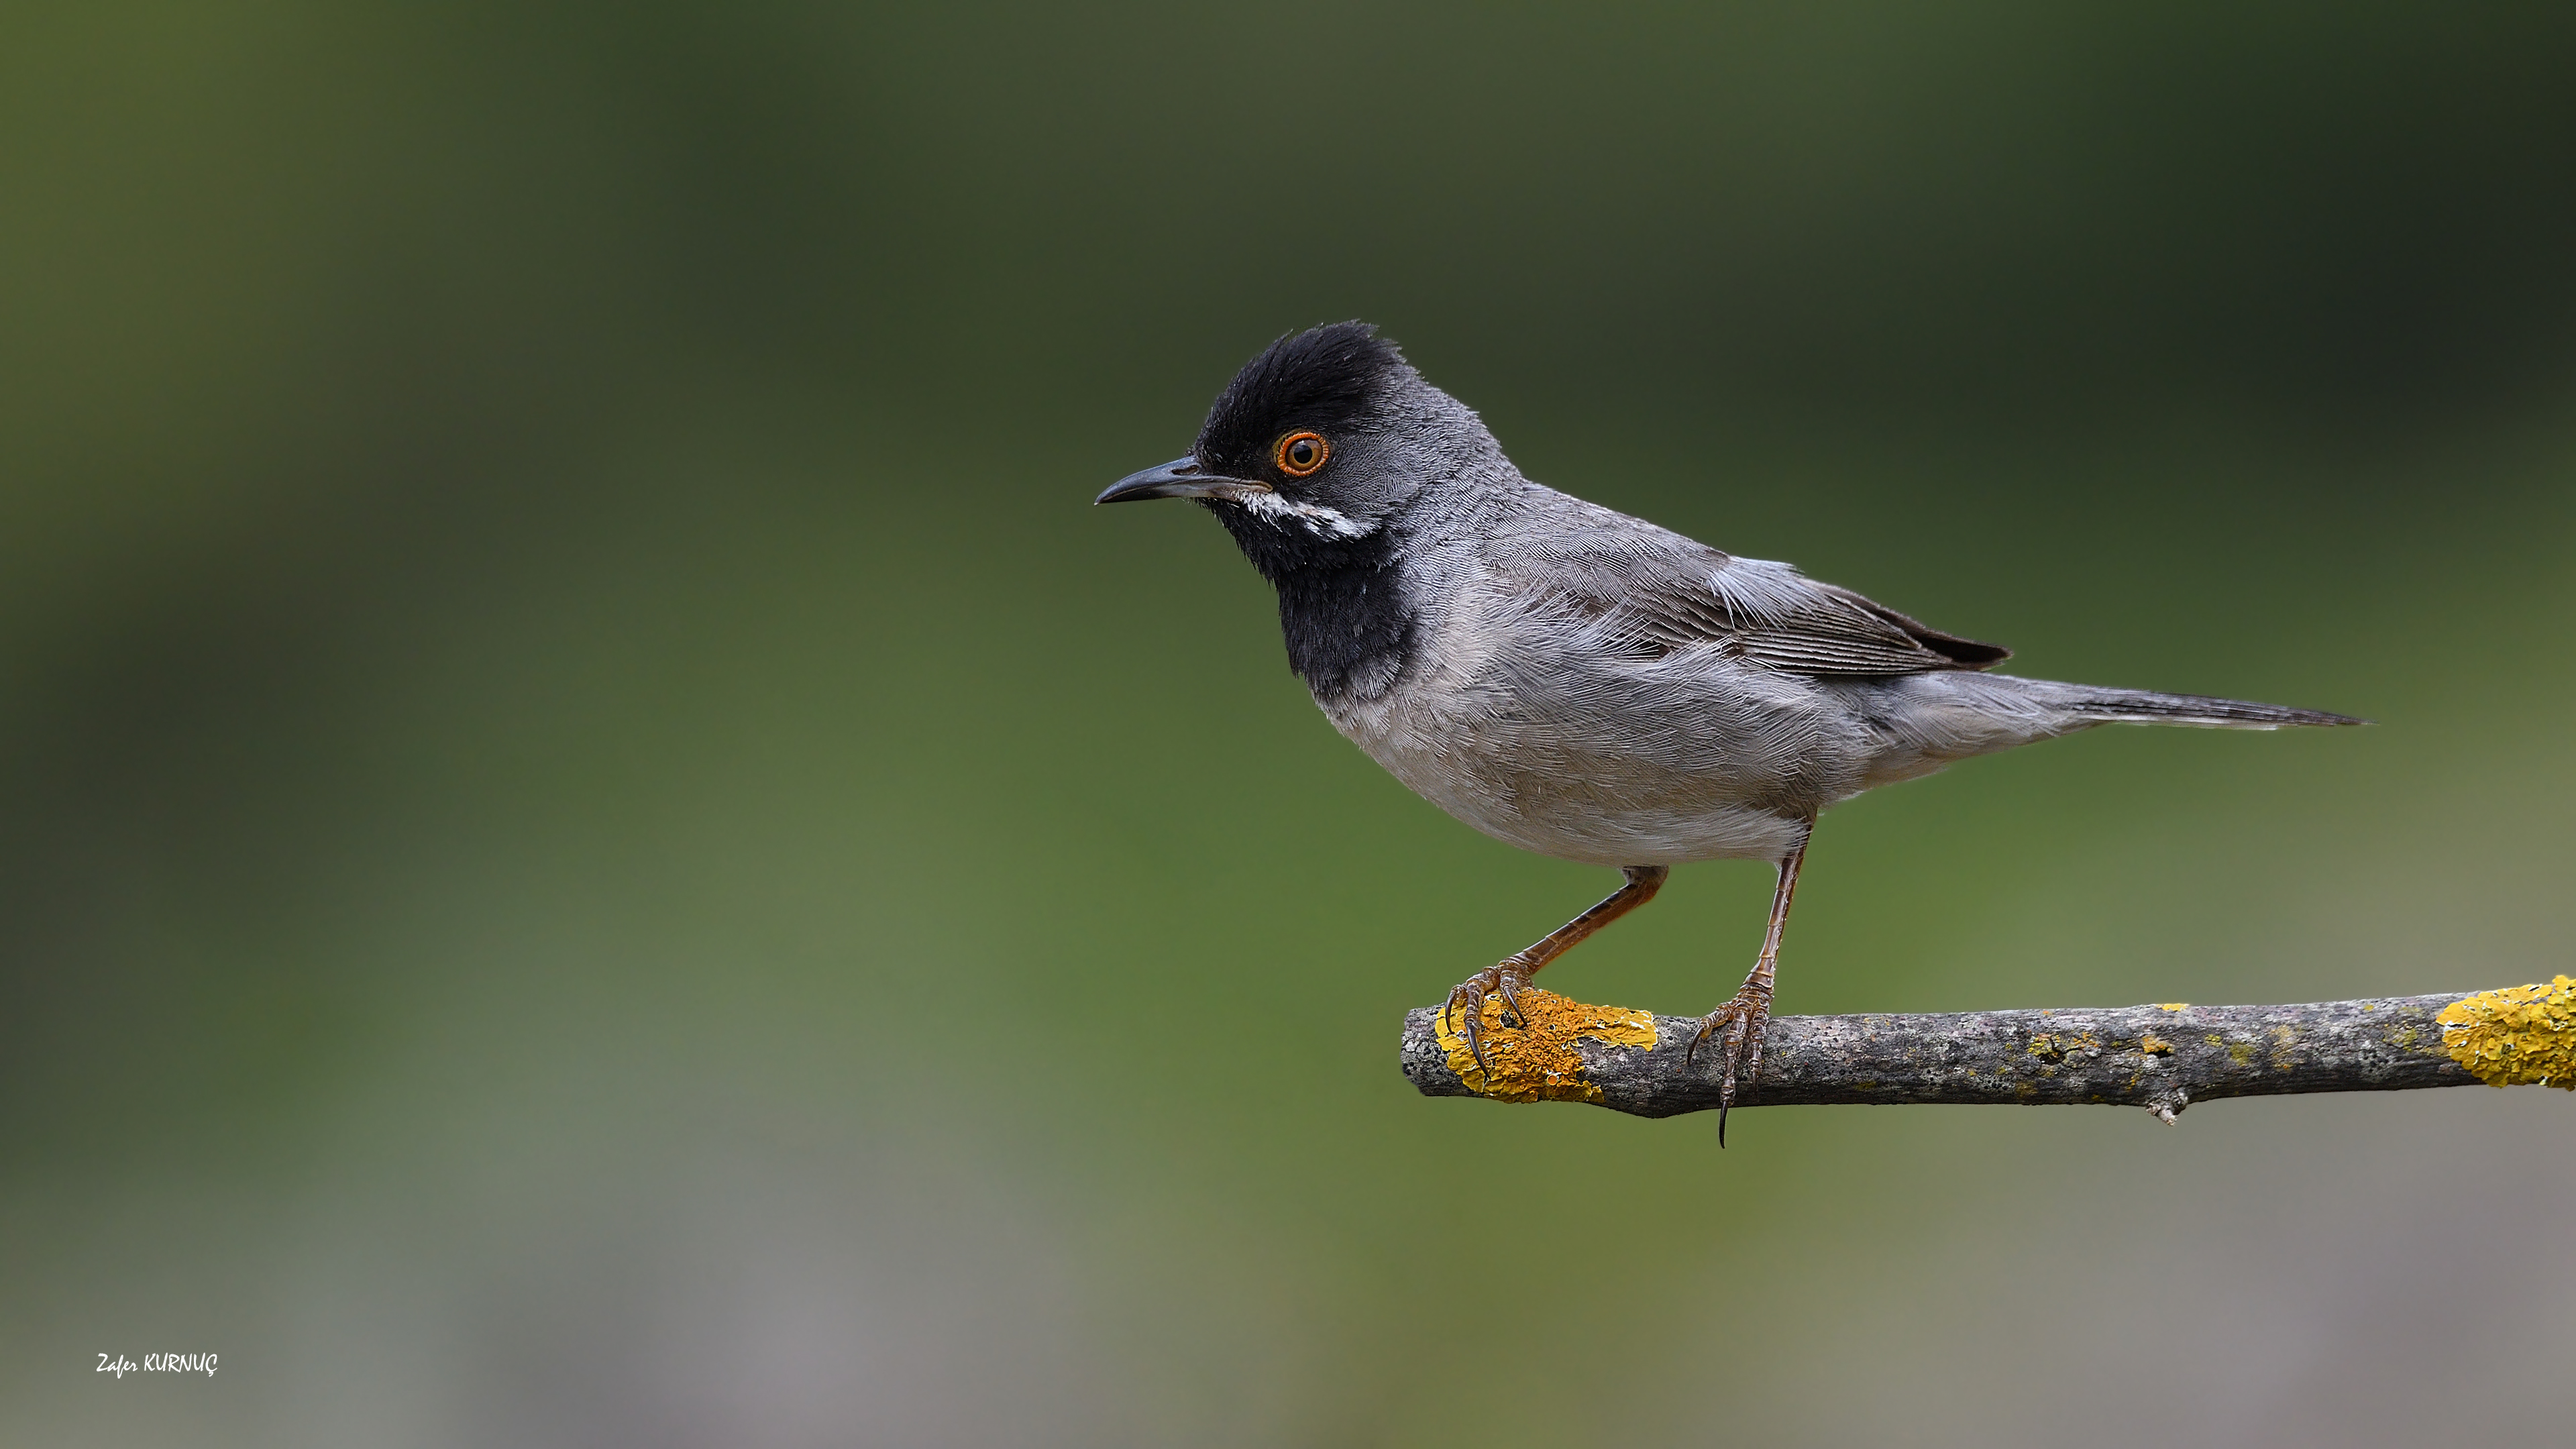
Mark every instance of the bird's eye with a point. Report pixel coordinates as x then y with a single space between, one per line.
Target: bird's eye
1300 454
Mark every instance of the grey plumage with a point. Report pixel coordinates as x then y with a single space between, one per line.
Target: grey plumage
1591 686
1576 681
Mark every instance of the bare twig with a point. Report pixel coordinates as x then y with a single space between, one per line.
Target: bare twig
2162 1057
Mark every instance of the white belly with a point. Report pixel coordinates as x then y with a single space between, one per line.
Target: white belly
1528 786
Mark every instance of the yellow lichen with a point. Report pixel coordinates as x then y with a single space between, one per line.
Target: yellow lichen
1539 1062
2154 1045
2050 1048
2284 1039
2519 1036
2172 1005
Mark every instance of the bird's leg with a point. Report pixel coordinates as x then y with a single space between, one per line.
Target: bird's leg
1748 1015
1507 976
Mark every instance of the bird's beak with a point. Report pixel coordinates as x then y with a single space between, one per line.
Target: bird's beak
1179 478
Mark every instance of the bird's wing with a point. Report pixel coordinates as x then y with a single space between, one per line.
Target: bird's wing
1661 592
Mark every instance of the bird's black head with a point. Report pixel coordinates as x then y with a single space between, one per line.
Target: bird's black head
1310 458
1279 417
1311 448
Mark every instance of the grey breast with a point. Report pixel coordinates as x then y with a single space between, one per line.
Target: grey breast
1556 702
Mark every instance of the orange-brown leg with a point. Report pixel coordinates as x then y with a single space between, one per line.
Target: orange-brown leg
1507 976
1748 1015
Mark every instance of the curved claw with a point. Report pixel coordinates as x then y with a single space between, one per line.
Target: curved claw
1503 980
1475 1028
1739 1046
1507 984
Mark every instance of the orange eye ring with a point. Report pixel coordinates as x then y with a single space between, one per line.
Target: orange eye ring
1301 455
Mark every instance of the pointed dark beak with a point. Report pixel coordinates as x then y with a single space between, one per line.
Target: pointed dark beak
1179 478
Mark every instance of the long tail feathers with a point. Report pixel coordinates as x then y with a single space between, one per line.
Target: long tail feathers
2132 706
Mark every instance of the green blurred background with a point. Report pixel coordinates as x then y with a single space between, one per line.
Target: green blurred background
597 847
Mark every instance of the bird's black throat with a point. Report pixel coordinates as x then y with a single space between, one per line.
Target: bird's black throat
1341 605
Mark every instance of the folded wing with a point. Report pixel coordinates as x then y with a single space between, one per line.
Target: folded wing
1659 592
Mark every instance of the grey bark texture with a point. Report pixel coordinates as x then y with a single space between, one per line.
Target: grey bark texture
2161 1058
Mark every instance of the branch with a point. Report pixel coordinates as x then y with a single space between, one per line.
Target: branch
2162 1058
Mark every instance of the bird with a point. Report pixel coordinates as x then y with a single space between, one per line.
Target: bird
1578 682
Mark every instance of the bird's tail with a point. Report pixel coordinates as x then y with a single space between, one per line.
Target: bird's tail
2138 706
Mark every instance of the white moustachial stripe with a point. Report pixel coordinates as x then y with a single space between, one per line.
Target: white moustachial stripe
1316 518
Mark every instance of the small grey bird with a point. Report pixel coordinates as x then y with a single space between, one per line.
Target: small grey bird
1579 682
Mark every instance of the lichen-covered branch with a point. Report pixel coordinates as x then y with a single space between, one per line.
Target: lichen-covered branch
2162 1057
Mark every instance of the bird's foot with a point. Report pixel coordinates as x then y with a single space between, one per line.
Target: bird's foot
1504 979
1739 1026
